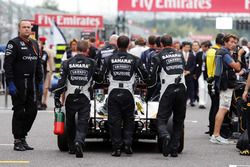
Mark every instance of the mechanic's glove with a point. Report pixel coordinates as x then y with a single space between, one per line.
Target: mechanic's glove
40 87
12 88
58 103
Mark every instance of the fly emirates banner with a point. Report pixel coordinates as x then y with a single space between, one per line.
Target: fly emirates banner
220 6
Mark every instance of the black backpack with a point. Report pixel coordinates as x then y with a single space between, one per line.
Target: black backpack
228 77
243 142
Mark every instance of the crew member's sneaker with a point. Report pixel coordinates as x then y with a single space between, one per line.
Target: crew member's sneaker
165 148
218 140
25 145
72 149
79 150
128 150
174 154
18 146
116 153
245 152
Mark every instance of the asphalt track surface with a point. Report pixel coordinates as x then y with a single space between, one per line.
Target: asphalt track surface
198 151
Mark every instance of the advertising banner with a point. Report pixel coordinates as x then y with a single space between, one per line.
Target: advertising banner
73 21
209 6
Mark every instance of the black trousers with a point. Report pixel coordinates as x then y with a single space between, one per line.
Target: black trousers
24 107
248 126
247 118
173 101
189 80
215 102
77 131
121 108
196 89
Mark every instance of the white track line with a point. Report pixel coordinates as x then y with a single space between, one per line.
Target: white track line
239 165
192 121
7 111
14 162
6 144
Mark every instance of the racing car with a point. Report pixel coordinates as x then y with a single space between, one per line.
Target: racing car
145 121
